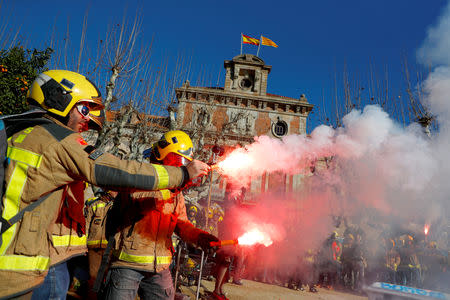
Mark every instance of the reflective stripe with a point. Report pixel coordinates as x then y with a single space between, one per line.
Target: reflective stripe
24 263
97 242
14 190
11 202
163 177
165 194
68 240
24 156
160 260
95 207
91 200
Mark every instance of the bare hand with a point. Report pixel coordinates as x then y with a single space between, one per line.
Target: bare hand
197 168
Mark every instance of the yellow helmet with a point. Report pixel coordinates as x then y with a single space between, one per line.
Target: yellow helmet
210 212
57 91
175 141
96 119
193 208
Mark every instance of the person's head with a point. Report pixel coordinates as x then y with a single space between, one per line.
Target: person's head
67 96
349 239
334 235
390 243
192 211
175 148
409 240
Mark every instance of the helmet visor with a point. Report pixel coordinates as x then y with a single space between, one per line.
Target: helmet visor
83 109
175 160
95 103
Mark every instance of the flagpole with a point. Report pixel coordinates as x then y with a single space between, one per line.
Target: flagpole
241 43
259 46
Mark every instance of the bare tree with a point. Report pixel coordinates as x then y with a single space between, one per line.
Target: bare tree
354 91
416 106
8 36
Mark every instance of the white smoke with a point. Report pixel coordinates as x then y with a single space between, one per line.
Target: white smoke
435 53
376 160
376 163
434 50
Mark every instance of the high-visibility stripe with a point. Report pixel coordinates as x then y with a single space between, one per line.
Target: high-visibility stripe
160 260
24 156
11 202
24 263
166 194
95 207
68 240
97 242
163 177
11 205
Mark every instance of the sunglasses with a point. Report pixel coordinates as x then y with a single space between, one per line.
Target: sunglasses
83 110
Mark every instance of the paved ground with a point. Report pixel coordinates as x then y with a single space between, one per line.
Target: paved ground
262 291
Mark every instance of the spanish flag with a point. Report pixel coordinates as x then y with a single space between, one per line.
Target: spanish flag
249 40
268 42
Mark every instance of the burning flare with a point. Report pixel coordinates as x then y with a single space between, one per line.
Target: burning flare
235 162
426 229
255 236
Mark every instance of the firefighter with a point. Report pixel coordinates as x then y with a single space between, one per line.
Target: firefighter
329 261
346 258
96 210
409 267
68 245
192 214
46 156
215 216
143 249
391 261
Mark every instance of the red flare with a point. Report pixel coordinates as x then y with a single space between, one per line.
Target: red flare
255 236
223 243
426 229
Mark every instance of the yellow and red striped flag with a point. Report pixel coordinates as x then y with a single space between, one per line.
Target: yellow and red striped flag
268 42
249 40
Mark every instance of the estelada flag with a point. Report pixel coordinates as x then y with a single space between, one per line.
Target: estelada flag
249 40
268 42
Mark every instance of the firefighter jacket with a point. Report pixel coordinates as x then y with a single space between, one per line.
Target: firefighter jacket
143 241
44 160
96 212
408 257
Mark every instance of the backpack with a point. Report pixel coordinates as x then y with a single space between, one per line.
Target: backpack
10 124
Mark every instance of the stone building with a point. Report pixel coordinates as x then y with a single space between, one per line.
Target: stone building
242 109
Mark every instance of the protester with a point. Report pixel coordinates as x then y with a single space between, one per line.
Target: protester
96 211
69 229
143 248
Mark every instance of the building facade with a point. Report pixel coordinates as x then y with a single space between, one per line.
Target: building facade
236 113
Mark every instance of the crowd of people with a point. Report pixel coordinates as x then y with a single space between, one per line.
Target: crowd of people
348 260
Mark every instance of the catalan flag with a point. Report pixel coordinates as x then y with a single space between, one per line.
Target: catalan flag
249 40
268 42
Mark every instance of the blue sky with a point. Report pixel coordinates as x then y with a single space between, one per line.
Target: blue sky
316 39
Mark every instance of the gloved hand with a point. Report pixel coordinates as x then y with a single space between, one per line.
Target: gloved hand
204 240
